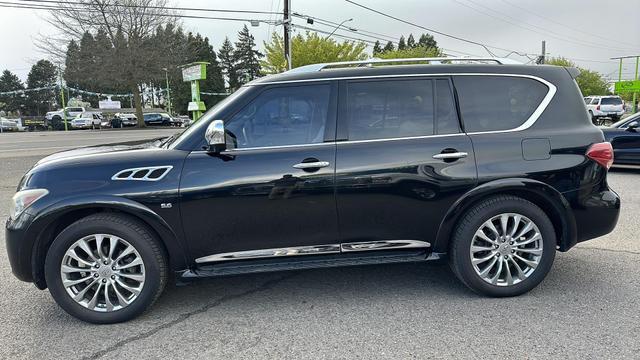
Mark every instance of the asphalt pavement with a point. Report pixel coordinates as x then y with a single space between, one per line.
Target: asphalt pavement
587 308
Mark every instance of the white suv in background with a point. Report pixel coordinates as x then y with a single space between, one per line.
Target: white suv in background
600 107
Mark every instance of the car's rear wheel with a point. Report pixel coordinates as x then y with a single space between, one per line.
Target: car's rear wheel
105 268
503 246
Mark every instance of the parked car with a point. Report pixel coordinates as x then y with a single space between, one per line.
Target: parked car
157 119
8 125
56 118
624 136
186 120
124 120
87 120
492 166
601 107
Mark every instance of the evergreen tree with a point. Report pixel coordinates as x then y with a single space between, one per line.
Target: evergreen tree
72 64
401 43
246 57
411 42
377 48
42 74
10 82
388 47
427 41
228 64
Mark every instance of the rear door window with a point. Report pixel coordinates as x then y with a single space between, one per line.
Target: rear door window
495 103
390 109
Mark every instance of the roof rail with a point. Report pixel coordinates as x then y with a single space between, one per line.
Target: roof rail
428 60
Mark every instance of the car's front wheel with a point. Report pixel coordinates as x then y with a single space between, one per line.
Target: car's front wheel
105 268
503 246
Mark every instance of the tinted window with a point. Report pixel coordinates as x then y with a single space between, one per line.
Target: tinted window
595 101
390 109
282 116
446 117
611 101
490 103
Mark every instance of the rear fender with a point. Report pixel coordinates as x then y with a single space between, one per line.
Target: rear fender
552 202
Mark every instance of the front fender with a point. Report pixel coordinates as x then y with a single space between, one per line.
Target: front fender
546 197
46 218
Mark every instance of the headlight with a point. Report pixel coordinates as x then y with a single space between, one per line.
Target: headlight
23 199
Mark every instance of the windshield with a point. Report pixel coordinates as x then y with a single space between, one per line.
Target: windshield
626 120
205 119
611 101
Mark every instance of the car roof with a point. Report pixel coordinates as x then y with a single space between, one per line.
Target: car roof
399 70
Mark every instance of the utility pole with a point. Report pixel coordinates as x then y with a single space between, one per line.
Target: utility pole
287 33
166 73
544 52
64 110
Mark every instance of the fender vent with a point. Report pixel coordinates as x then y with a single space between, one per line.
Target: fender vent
149 173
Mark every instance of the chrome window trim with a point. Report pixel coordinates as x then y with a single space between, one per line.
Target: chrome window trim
552 89
314 250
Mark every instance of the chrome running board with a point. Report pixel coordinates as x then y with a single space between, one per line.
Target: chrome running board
315 250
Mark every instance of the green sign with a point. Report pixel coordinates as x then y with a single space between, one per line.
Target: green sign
196 71
628 86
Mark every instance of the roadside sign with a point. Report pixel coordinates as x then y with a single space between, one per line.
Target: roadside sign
109 104
627 86
193 72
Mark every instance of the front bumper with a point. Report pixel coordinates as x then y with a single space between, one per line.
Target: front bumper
19 244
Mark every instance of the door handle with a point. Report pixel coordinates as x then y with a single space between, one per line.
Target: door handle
311 165
449 156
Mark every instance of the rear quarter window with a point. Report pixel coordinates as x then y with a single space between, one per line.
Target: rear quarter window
495 103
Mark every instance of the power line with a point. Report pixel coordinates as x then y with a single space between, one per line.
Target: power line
4 4
485 46
564 25
59 2
528 27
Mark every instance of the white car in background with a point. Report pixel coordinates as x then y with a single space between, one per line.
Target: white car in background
126 119
86 120
600 107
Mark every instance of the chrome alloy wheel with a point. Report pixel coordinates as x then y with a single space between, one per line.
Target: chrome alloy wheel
506 249
102 272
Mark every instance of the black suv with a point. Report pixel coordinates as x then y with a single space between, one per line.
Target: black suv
493 166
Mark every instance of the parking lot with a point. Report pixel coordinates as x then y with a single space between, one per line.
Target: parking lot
588 307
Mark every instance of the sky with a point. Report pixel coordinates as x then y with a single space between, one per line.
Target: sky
584 31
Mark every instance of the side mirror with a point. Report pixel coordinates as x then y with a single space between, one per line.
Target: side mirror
633 126
215 137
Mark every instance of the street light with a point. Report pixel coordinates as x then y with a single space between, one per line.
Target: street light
337 27
166 73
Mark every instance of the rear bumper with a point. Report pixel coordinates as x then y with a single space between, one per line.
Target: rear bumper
596 213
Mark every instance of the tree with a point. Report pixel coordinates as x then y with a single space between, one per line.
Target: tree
388 47
228 64
589 82
42 74
10 82
309 48
416 52
377 48
247 58
401 43
427 41
411 42
134 24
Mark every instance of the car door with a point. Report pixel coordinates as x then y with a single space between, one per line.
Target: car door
403 160
626 146
273 188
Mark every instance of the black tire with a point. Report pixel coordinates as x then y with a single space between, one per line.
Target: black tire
126 227
459 255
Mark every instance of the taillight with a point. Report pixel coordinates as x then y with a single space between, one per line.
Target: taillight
602 153
598 107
